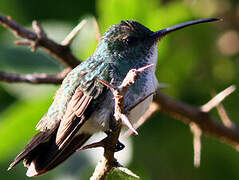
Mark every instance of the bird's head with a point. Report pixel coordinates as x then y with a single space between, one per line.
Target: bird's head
131 41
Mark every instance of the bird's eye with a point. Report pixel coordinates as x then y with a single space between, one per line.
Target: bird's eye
130 40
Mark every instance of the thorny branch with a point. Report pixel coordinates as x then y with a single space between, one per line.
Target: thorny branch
110 142
61 52
195 117
187 113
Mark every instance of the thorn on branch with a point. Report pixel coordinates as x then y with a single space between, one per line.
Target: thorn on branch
218 99
9 17
32 44
40 35
224 116
153 108
127 171
39 30
108 85
70 37
140 101
197 132
23 42
94 145
127 123
132 76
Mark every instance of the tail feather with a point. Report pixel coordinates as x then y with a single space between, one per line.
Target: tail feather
77 142
31 149
43 154
51 157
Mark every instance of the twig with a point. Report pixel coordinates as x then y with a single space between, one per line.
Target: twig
62 53
218 98
109 161
33 78
69 38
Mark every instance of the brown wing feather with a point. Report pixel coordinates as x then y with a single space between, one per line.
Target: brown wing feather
75 109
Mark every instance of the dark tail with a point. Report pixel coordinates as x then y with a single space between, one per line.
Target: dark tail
42 154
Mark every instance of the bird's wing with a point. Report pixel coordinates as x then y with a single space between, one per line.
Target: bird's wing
72 106
72 119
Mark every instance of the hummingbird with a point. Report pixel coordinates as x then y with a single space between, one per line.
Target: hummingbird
83 105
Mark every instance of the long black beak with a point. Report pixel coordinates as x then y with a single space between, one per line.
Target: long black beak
159 34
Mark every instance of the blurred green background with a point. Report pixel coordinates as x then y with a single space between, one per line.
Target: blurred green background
194 61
